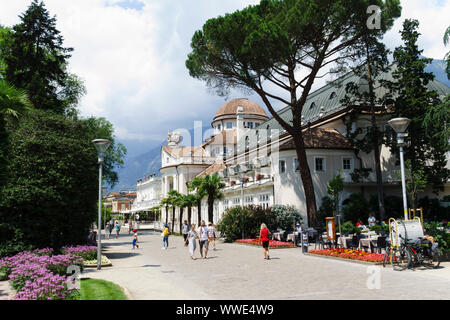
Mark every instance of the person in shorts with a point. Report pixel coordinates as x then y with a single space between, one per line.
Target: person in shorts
185 231
264 238
203 239
135 239
212 235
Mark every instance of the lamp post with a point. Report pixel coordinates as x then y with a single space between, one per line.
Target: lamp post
101 145
400 125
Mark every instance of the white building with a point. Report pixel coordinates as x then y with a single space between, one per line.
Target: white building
245 137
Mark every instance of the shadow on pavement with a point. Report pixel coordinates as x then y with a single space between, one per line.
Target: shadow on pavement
151 266
121 255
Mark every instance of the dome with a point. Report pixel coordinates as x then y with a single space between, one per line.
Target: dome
250 107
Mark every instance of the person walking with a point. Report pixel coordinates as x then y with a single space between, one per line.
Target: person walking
185 231
117 228
166 234
107 231
203 239
264 238
192 235
212 235
135 239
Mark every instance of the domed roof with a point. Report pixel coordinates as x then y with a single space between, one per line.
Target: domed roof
250 107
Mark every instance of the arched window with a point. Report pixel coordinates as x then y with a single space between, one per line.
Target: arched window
247 143
333 95
313 105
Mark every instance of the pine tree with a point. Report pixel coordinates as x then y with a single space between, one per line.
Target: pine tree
425 148
37 59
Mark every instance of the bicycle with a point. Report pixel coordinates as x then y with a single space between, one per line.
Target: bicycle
387 254
423 254
401 257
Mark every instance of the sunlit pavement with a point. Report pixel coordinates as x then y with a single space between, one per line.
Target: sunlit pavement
239 272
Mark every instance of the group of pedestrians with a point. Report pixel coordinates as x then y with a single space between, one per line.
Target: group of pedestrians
109 228
206 235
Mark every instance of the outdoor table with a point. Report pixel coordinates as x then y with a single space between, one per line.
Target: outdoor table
368 243
291 237
276 236
345 242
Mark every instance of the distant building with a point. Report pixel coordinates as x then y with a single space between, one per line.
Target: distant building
120 202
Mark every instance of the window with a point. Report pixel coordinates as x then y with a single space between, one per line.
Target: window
319 164
247 143
225 204
333 95
313 105
219 127
236 201
296 165
225 150
347 164
282 166
264 200
229 125
249 200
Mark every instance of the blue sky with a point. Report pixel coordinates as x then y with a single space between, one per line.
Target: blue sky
131 55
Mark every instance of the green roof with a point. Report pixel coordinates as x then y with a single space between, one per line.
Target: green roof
327 100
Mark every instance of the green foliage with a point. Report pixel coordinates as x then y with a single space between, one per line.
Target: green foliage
356 208
247 220
286 217
37 61
440 236
348 227
359 175
334 188
393 206
50 197
100 128
211 187
426 148
432 209
415 182
326 209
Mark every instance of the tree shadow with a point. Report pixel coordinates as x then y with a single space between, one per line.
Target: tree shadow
121 255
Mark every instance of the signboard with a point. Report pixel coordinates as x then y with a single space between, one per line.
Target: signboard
331 232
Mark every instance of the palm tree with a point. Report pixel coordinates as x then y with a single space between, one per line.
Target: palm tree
181 202
165 203
172 200
195 185
190 201
210 186
13 103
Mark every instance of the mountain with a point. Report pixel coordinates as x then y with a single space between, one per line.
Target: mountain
437 67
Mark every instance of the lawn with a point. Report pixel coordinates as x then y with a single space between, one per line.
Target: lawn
94 289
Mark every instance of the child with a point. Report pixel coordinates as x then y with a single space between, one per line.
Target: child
165 235
135 239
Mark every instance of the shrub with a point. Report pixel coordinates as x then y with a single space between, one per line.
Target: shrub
50 196
357 207
440 236
286 217
326 209
348 227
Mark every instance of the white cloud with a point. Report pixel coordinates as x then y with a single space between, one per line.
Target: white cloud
133 61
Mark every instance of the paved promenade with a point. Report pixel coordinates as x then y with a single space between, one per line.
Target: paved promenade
240 272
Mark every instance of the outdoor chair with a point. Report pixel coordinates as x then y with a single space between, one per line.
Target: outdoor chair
381 244
355 242
320 242
336 242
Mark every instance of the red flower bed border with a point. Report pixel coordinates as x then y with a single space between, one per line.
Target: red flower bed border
272 244
349 254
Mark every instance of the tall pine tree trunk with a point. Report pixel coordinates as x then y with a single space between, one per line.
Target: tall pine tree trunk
305 174
181 218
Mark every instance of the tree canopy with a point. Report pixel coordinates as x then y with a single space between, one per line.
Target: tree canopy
277 49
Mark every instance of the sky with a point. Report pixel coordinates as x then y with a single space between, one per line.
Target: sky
131 55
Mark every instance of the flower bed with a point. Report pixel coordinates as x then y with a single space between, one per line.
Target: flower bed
93 263
350 254
272 243
40 275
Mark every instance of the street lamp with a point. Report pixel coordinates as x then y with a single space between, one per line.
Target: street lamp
101 145
400 125
104 190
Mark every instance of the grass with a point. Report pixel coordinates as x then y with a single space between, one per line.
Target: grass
94 289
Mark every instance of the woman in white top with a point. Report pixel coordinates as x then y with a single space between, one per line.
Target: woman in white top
212 235
192 235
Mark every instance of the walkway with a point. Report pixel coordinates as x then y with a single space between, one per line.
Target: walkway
240 272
